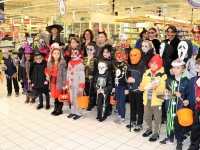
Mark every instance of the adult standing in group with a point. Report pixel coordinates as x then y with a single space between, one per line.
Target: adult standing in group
143 36
173 40
42 35
152 34
88 38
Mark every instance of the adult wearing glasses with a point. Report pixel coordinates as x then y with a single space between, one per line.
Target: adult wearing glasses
152 34
88 38
173 40
143 36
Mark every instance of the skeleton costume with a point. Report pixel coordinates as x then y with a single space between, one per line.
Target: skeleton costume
75 81
194 97
91 67
103 81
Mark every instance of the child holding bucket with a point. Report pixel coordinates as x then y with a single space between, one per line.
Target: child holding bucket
194 97
75 83
177 84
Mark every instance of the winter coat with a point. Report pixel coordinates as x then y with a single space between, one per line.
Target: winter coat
147 57
11 68
183 88
167 59
62 71
98 53
22 72
174 43
138 43
146 79
38 76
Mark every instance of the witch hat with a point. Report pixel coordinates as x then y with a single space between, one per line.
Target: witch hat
28 49
37 52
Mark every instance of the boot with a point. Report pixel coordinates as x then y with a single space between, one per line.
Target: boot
55 108
27 100
59 111
33 100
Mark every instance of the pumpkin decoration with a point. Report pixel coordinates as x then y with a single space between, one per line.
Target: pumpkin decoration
113 101
82 101
185 117
64 96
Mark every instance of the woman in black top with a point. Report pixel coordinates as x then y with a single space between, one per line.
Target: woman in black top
152 32
88 37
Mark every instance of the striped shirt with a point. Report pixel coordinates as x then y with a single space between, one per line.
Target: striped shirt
150 91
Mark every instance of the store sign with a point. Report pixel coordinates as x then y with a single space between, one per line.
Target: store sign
194 3
62 7
2 17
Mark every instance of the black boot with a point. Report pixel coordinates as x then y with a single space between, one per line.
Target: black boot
55 108
33 100
27 100
59 111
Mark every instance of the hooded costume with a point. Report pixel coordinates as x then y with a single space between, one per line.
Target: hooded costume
136 70
194 97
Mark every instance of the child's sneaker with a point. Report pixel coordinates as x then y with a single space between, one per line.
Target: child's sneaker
9 94
138 128
121 121
117 119
133 124
179 146
77 117
167 141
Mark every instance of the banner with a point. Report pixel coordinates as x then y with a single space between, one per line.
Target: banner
2 18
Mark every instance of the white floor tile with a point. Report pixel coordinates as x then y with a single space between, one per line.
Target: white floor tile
92 144
71 145
113 144
28 145
49 145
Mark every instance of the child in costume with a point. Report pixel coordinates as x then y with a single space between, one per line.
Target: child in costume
43 48
91 67
26 68
103 83
135 72
38 78
148 51
194 97
153 83
75 83
177 84
56 76
9 66
120 86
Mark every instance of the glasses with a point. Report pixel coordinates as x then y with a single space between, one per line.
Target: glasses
151 32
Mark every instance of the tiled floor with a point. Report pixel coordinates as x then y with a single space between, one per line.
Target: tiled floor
22 127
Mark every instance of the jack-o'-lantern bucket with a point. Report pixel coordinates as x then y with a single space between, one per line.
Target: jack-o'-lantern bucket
82 101
185 117
64 96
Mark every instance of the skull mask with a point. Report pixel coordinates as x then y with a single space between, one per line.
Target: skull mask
74 54
117 73
145 47
41 43
162 48
182 50
102 67
90 50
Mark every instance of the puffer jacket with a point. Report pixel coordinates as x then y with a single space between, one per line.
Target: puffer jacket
98 53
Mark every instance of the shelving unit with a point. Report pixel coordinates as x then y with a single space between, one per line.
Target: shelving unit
184 33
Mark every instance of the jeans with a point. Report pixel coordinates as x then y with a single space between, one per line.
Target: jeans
121 98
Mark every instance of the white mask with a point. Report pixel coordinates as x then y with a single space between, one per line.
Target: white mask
90 50
102 67
161 50
41 43
145 47
182 50
74 54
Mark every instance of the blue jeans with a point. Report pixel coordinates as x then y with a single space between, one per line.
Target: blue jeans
121 98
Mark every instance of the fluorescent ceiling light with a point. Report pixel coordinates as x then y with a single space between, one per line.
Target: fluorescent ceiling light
101 4
4 1
36 5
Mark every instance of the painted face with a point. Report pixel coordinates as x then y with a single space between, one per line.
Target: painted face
161 50
74 44
102 38
102 67
145 47
171 34
75 54
120 56
106 53
41 43
135 56
90 50
182 50
23 42
123 38
56 54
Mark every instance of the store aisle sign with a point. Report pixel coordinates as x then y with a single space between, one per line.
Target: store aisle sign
62 7
194 3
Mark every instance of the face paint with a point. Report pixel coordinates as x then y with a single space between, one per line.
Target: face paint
41 43
182 50
90 50
161 50
135 56
145 47
102 68
120 56
74 54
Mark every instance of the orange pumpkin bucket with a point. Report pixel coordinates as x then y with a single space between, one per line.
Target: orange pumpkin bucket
64 96
185 117
82 101
112 100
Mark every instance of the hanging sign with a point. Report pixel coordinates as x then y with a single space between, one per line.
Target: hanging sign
62 7
2 17
194 3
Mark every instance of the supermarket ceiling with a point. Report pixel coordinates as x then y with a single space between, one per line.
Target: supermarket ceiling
178 9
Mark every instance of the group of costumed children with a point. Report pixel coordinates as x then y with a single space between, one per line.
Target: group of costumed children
139 73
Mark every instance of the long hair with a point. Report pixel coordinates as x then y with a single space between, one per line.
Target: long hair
52 60
77 41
